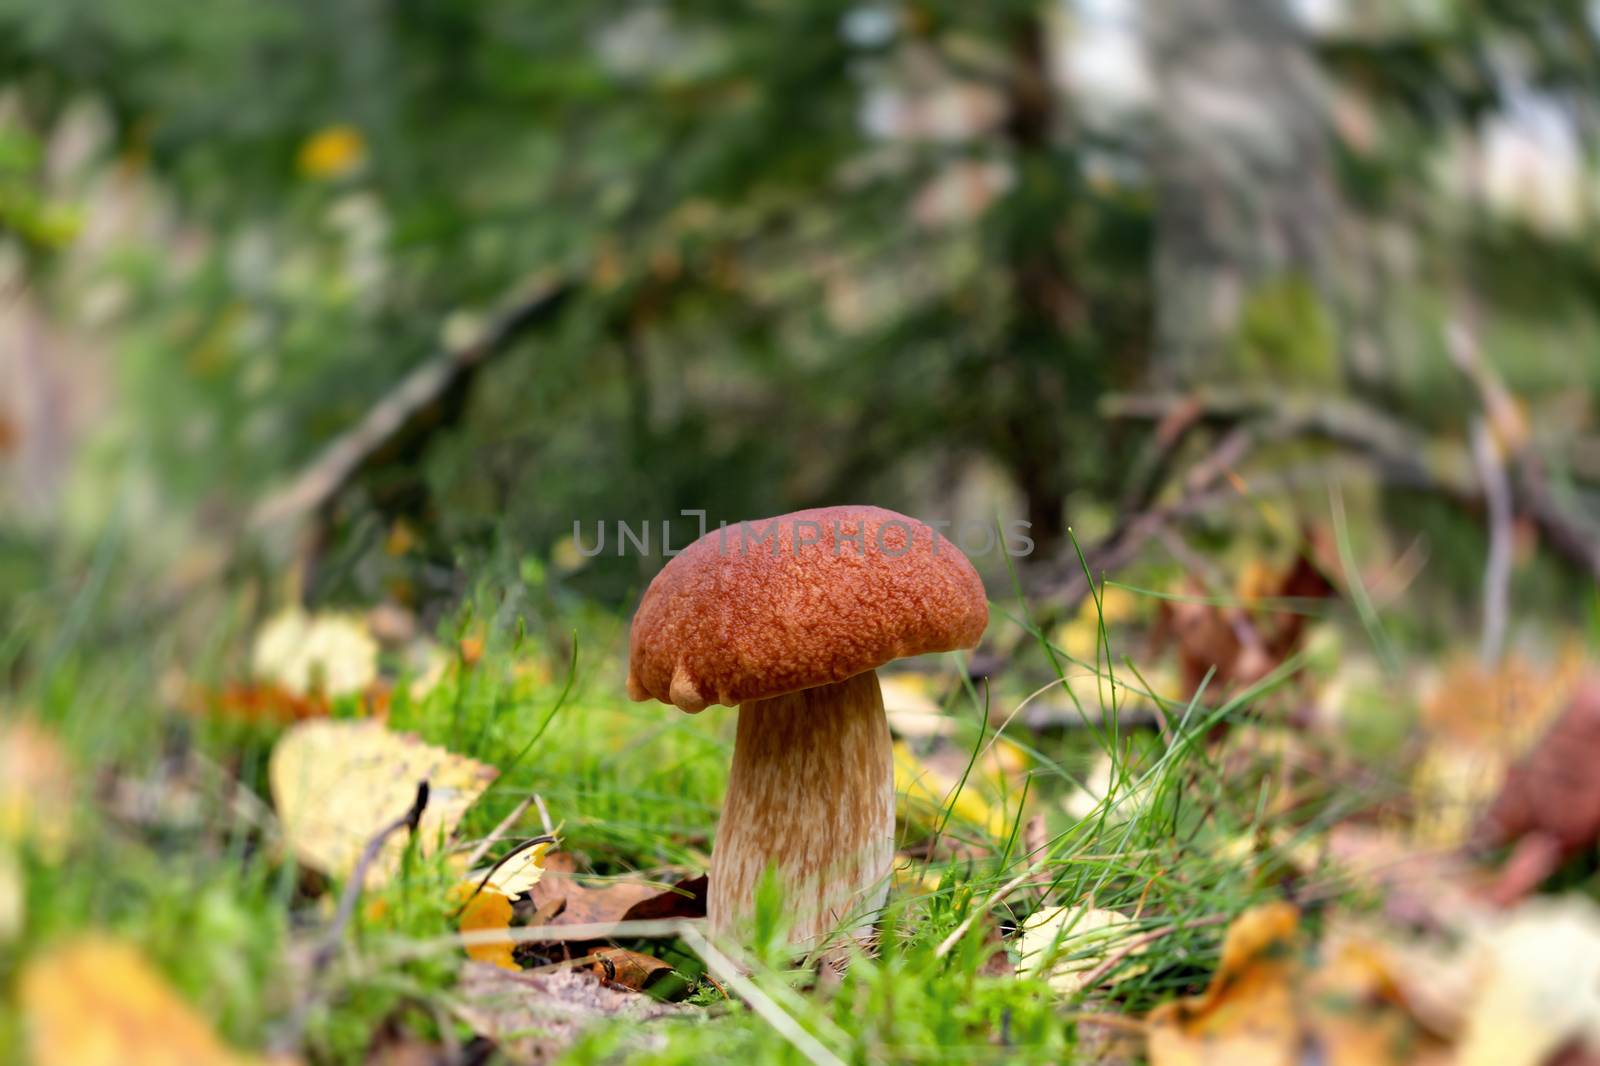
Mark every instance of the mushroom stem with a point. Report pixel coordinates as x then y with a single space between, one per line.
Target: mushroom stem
811 796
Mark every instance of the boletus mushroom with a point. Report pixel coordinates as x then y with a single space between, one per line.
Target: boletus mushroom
787 618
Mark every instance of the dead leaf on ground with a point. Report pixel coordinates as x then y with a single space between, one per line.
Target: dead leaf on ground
630 969
329 653
534 1017
1549 806
1523 991
1356 1014
263 702
97 1002
1477 721
1418 887
483 911
485 900
578 903
1537 985
337 783
909 705
924 784
1066 944
1246 1015
1240 645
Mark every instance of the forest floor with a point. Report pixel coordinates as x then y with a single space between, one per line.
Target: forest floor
1177 826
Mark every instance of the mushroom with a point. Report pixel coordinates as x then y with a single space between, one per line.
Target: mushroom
788 618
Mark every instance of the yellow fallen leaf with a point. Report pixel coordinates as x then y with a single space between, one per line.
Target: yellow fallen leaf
922 792
567 556
1067 943
336 783
517 874
911 711
486 909
97 1002
1079 636
1538 986
1246 1016
331 152
1477 721
330 653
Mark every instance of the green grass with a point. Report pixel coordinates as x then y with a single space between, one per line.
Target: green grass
635 790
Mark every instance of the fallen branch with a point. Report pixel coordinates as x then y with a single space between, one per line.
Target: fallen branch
405 411
1123 544
1400 453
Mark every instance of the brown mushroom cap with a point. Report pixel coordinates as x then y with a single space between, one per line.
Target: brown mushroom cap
772 606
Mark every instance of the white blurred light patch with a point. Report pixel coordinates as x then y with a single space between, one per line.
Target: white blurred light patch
1100 58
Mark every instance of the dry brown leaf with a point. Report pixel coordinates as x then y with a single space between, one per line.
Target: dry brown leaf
1066 944
97 1002
630 969
1238 646
534 1017
1550 802
263 702
578 903
1478 721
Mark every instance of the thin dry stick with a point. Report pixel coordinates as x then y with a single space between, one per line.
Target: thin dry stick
1497 567
999 894
329 947
352 888
1132 944
544 815
497 832
763 1005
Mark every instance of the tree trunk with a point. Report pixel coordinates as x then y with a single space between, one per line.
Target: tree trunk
1242 169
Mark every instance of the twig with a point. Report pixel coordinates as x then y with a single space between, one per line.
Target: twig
499 831
1500 425
763 1005
292 1033
1124 543
358 877
544 815
1497 567
1132 944
1398 451
401 411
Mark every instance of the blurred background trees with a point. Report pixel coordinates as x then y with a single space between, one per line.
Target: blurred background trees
806 252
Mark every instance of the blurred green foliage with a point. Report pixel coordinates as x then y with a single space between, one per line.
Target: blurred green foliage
819 251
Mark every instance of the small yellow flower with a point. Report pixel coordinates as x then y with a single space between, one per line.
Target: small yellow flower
332 152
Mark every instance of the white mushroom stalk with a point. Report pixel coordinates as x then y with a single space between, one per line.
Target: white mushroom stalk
810 797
